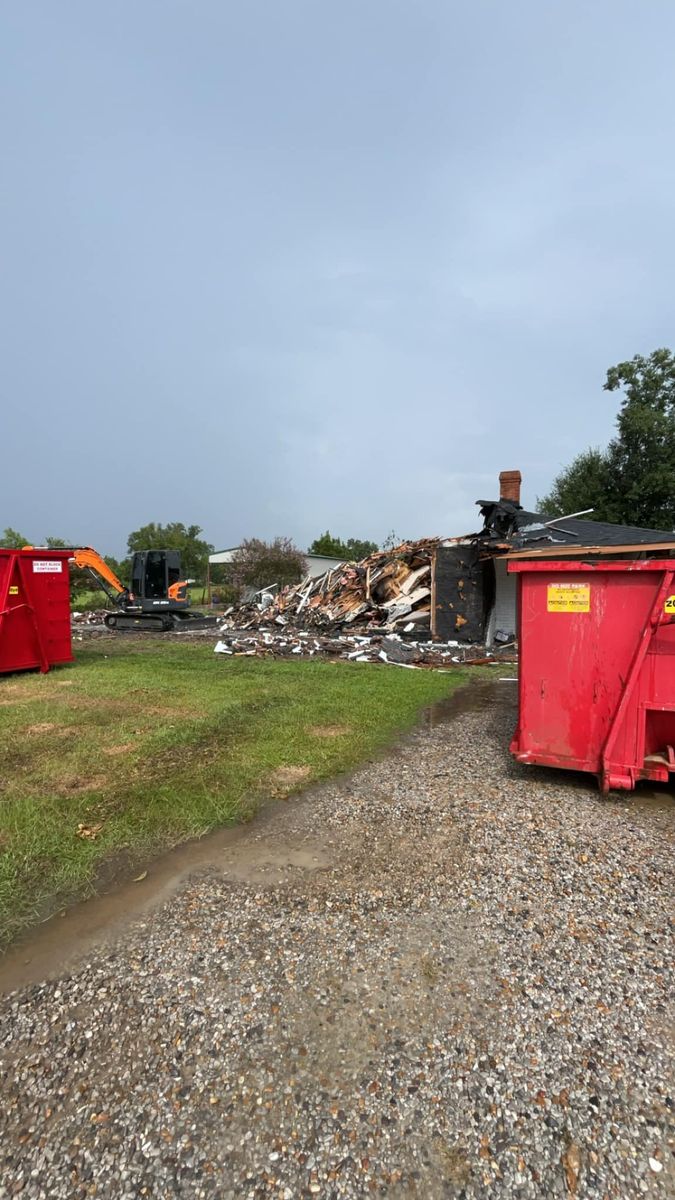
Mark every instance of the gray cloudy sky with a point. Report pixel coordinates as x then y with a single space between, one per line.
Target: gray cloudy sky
278 266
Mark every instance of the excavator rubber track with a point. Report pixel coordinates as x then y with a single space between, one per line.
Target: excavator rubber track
160 622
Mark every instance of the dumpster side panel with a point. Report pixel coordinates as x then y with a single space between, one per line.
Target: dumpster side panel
629 598
34 610
571 673
597 668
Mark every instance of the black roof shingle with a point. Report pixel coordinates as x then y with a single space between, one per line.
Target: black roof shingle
506 521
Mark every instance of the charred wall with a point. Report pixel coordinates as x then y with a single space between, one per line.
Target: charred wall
463 592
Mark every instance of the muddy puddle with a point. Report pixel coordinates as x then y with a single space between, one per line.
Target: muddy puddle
478 697
247 853
240 854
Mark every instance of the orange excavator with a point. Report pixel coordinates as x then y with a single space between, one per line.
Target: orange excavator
158 597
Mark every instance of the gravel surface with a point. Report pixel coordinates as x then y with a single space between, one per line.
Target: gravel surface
444 976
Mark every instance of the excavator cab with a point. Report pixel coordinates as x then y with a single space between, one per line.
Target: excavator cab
156 582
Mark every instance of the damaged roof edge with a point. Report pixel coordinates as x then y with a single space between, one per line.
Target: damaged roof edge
507 522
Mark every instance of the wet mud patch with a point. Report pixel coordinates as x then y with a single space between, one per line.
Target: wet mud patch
123 890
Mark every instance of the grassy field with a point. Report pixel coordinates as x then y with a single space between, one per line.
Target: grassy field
144 743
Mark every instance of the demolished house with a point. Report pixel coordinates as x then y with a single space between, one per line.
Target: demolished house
446 590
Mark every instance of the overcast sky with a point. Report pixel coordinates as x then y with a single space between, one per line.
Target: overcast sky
276 267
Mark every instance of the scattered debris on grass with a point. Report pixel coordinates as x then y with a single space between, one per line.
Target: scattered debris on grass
95 617
267 642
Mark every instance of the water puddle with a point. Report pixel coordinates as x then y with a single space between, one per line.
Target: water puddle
236 853
477 697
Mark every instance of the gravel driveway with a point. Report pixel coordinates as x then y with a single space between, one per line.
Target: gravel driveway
443 976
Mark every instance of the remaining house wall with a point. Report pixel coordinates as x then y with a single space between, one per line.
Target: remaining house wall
504 618
458 597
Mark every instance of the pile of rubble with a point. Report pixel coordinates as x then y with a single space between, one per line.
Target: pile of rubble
390 589
94 617
374 648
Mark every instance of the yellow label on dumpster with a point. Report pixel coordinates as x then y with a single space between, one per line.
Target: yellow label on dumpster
669 606
568 597
14 591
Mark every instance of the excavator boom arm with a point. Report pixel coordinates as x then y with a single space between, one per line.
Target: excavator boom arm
87 558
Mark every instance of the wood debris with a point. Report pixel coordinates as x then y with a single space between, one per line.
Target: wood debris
390 590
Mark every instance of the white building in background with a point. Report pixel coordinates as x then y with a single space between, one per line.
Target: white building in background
317 564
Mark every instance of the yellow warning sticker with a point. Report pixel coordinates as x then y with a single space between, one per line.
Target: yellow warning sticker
14 591
568 597
669 606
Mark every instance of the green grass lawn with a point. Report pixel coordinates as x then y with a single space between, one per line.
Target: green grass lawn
156 742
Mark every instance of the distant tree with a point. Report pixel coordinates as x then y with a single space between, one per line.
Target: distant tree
55 543
632 482
257 564
360 549
11 540
120 566
642 458
194 551
352 550
331 546
584 484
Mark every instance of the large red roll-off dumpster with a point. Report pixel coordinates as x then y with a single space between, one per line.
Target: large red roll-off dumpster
597 668
34 609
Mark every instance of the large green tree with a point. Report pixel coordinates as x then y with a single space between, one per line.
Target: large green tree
582 485
642 458
632 482
194 551
353 550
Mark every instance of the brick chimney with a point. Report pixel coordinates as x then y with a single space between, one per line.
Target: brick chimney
509 486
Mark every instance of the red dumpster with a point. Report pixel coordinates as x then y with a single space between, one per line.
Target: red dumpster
597 668
34 609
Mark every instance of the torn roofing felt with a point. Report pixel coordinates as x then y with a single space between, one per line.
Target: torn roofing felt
505 521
